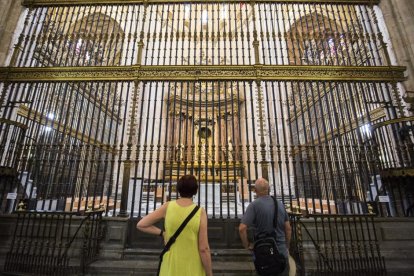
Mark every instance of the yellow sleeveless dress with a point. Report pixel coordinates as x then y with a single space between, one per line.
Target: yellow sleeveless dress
183 258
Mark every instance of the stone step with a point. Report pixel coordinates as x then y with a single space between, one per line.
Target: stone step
149 267
140 261
238 255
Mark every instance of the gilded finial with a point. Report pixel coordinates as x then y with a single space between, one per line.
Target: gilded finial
287 206
21 206
370 209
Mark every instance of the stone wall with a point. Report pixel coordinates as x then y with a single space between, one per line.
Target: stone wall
396 239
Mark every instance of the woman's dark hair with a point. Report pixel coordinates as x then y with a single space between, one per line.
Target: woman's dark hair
187 186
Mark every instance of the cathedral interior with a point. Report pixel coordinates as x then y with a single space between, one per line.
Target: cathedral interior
105 104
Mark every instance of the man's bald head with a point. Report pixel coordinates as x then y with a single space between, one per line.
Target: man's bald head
262 186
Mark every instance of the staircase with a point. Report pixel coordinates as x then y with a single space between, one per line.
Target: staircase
145 262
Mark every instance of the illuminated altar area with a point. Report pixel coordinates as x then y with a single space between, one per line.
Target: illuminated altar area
202 130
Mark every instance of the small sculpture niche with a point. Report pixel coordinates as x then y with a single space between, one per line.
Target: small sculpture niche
228 151
179 152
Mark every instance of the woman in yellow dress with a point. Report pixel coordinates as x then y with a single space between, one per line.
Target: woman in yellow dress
190 254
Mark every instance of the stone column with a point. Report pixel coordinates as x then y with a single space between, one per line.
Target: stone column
398 16
10 11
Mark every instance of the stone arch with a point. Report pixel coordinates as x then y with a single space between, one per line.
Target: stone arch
97 38
316 39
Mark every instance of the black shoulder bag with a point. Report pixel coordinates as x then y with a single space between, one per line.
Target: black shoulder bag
267 258
174 237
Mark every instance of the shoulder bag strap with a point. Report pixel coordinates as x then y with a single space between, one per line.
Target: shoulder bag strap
276 212
176 234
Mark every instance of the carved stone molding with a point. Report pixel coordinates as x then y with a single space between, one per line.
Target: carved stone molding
191 73
38 3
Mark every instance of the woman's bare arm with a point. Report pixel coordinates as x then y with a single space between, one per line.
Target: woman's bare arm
203 245
146 224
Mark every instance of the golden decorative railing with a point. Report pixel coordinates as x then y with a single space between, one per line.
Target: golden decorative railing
202 72
293 85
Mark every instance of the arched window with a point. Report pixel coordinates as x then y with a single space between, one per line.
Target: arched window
95 40
316 39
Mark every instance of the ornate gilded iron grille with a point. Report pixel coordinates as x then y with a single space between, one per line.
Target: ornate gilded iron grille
110 104
208 129
90 35
319 34
42 242
396 161
69 155
344 245
202 34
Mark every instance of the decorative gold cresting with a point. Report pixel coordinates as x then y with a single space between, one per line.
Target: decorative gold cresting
203 72
393 121
39 3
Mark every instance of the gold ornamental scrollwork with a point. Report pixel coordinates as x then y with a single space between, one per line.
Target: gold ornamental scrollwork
43 3
393 121
197 73
203 72
51 74
397 172
326 73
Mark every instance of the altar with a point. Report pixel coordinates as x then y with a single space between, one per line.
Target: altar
225 196
208 196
